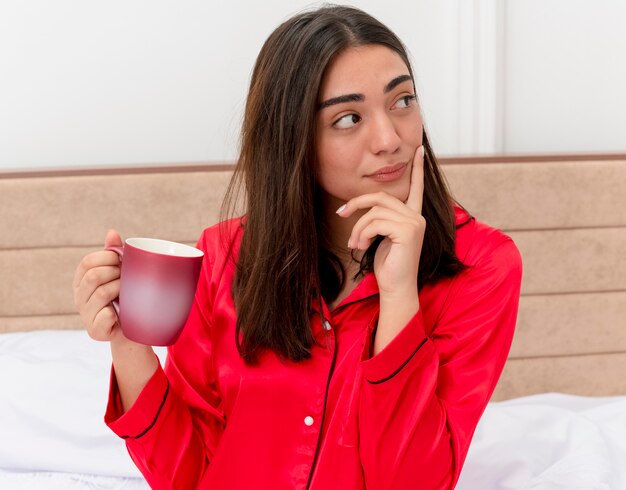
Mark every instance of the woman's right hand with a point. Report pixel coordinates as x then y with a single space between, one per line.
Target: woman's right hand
96 284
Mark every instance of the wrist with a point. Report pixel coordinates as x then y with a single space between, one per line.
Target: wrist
395 314
402 299
129 353
133 364
123 346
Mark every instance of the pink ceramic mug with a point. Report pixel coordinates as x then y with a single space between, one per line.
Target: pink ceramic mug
158 285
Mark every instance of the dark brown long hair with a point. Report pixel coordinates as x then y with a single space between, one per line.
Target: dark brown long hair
282 264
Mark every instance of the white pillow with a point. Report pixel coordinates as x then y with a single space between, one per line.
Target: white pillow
549 441
53 394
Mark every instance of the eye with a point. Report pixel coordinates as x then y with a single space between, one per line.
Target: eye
347 121
404 102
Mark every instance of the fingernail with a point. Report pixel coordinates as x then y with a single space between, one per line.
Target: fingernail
340 209
421 151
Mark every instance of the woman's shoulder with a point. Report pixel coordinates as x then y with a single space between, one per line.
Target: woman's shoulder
221 239
479 243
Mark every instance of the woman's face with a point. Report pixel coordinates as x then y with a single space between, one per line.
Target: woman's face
368 125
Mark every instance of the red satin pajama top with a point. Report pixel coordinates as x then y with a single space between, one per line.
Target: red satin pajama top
402 419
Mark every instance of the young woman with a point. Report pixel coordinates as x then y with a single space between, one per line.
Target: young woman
348 331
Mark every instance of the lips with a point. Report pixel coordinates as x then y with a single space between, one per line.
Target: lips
389 169
389 173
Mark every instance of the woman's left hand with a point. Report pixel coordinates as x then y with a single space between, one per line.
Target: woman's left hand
397 258
401 223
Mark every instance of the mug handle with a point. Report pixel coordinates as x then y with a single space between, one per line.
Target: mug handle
120 252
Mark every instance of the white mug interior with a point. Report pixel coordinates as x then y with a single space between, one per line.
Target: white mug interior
165 247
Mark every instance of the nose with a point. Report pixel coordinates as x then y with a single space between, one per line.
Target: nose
384 137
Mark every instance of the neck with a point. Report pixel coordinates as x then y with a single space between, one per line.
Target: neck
338 231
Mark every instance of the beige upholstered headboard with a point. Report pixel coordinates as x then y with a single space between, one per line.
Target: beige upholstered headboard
567 216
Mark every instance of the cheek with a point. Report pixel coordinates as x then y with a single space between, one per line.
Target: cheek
336 180
413 132
337 165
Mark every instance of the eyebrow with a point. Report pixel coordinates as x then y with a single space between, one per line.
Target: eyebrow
342 99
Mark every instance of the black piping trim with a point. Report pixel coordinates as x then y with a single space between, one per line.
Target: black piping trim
319 436
167 390
377 382
469 220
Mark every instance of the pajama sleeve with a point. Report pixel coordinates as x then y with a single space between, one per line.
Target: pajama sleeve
422 395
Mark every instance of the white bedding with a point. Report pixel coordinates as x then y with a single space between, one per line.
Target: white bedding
53 389
549 441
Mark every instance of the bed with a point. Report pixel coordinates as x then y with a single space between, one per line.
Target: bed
557 419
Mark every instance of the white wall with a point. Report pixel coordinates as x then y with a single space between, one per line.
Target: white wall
565 76
85 83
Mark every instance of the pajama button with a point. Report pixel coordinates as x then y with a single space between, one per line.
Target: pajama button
308 421
327 325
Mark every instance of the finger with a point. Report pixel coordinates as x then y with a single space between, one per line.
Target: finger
94 259
376 213
101 298
366 201
416 188
104 324
375 228
92 279
404 232
112 239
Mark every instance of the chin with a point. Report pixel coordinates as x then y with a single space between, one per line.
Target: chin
400 190
402 196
